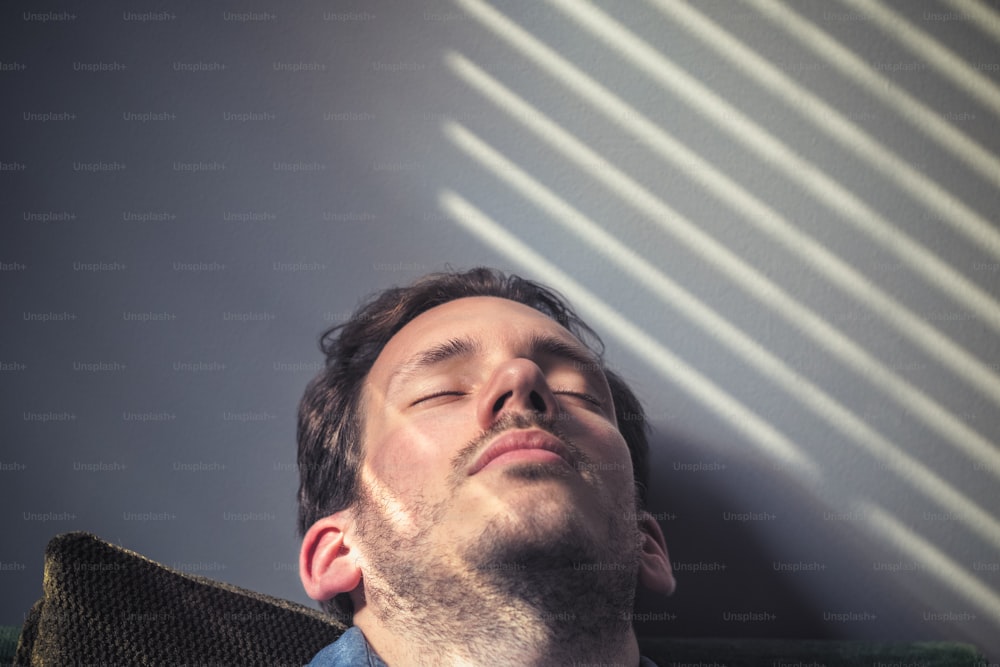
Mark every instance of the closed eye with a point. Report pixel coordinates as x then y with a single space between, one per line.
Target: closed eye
447 392
581 395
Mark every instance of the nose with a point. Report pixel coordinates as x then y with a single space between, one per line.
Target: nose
517 385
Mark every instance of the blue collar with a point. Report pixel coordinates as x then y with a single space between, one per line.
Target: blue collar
353 650
350 650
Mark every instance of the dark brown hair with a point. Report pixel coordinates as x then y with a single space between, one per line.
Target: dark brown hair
331 417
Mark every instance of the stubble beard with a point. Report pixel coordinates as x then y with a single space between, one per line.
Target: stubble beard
536 580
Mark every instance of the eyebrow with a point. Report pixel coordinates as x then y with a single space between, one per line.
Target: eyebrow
457 348
557 347
454 348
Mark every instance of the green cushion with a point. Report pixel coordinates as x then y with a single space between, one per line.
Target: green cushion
8 643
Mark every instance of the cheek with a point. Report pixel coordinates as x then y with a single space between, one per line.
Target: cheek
609 453
396 474
396 461
413 457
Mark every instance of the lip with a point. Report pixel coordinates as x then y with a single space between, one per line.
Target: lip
513 441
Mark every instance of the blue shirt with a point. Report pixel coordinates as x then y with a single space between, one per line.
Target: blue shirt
352 650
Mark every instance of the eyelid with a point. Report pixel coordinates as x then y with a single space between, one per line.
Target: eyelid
435 394
580 394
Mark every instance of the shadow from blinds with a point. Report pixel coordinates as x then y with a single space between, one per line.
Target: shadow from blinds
742 275
878 523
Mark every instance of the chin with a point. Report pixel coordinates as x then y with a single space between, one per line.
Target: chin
537 530
542 495
538 471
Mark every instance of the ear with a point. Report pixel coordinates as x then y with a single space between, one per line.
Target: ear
327 565
655 572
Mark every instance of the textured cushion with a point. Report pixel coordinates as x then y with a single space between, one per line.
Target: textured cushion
106 605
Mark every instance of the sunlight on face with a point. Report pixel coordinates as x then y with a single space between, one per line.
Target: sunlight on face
435 396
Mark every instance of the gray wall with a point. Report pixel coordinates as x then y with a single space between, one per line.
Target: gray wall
781 217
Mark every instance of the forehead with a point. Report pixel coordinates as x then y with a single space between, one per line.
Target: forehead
492 320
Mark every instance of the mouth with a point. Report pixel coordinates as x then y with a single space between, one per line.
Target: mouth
520 446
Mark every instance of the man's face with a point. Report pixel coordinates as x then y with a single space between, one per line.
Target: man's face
490 436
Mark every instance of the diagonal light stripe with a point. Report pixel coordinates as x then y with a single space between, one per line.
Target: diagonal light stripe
720 258
983 17
770 222
740 418
830 121
772 442
884 527
926 47
728 118
918 475
922 117
939 564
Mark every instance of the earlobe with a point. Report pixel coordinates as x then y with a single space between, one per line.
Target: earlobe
327 565
655 572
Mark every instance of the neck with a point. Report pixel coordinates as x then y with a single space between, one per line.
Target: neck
520 632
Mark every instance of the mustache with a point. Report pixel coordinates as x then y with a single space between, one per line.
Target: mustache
511 421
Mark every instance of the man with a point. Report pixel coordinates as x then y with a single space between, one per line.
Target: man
472 483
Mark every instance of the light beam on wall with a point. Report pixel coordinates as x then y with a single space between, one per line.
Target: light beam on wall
914 328
944 60
740 418
944 568
799 388
837 126
594 168
744 276
949 208
982 16
880 523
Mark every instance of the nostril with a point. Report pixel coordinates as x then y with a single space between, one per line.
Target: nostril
500 401
538 403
